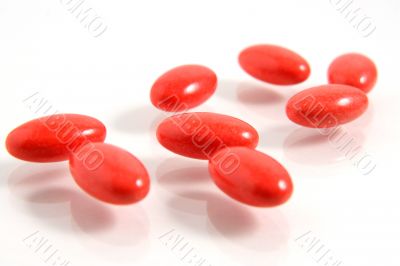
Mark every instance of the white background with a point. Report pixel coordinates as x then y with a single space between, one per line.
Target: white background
45 49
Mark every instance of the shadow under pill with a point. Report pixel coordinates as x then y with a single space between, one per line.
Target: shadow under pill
194 193
274 136
189 201
259 230
195 209
6 167
248 93
188 176
90 215
49 193
265 245
263 101
199 206
226 90
151 164
115 225
140 120
246 226
181 171
43 183
45 191
230 218
309 146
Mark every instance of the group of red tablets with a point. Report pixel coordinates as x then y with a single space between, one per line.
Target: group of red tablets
114 175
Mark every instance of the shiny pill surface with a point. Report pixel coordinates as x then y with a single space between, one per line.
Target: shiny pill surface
274 64
251 177
355 70
183 87
200 134
110 174
53 138
326 106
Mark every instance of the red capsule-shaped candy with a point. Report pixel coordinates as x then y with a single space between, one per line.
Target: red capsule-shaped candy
200 135
355 70
52 138
183 87
326 106
110 174
274 64
251 177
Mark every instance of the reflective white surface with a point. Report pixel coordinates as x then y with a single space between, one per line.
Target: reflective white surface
46 50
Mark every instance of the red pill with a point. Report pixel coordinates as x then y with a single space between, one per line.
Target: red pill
251 177
183 87
110 174
52 138
326 106
355 70
274 64
200 135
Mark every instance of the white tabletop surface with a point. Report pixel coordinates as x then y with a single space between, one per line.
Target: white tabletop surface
339 212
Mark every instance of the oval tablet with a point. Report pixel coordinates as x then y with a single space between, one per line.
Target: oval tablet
52 138
251 177
355 70
200 135
326 106
110 174
274 64
183 87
